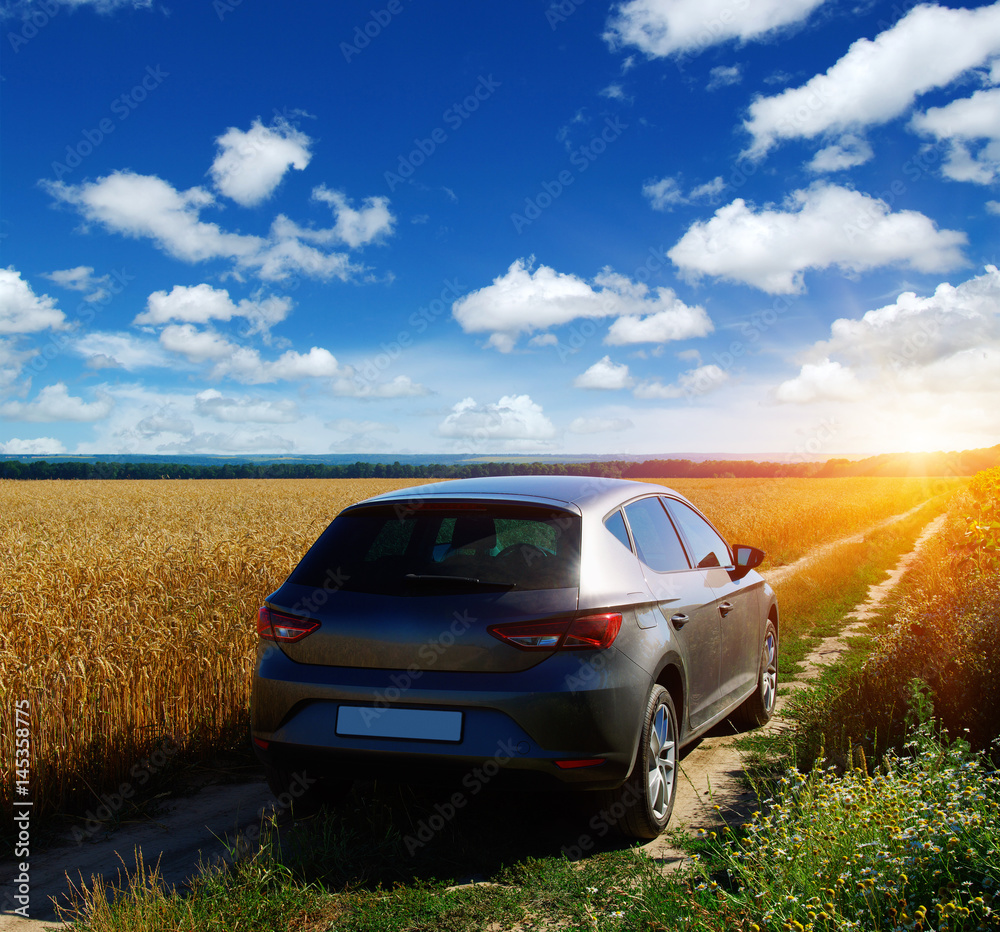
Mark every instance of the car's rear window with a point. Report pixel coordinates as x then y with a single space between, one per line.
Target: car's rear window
435 547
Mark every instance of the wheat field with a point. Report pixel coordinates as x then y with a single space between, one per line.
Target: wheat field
127 612
788 517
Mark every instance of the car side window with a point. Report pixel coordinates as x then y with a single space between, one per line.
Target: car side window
615 523
708 548
655 539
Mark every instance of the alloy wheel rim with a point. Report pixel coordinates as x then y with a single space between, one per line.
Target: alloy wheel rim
769 678
662 763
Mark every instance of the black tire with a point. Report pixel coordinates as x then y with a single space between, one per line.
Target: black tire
758 707
302 792
641 806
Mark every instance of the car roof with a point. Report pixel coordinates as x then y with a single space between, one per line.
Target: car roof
572 492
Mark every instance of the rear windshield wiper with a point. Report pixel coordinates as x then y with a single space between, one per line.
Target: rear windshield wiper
456 580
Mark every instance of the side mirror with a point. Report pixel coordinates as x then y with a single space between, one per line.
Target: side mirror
747 558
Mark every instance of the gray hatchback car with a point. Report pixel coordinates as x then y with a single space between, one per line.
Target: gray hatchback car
554 631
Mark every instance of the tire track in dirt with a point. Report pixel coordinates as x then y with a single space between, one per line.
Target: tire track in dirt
781 573
710 790
190 829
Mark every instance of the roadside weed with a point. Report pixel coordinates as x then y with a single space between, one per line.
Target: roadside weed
914 846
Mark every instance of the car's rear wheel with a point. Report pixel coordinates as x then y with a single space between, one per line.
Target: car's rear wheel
758 708
641 806
303 792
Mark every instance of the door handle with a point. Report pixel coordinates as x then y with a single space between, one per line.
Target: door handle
680 619
725 608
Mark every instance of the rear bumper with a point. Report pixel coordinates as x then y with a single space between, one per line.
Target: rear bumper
515 726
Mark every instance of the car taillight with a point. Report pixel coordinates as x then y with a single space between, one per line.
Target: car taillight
277 626
586 632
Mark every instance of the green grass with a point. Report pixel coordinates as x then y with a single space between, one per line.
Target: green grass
613 890
940 627
914 846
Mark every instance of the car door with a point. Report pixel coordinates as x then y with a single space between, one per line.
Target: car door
736 602
686 601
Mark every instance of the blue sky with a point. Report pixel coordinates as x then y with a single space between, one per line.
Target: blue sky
734 226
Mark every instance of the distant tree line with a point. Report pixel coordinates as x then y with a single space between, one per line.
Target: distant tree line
41 469
964 463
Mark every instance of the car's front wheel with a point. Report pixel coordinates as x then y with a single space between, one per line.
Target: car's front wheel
642 805
758 708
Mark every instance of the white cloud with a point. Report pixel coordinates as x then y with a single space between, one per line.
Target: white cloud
213 404
993 207
204 346
677 321
614 92
604 374
11 363
708 191
199 304
371 223
165 422
724 76
39 446
824 379
82 278
110 350
21 310
244 364
154 419
599 425
107 6
524 301
962 123
666 194
943 344
663 194
318 363
513 417
694 382
667 27
402 386
238 441
822 226
916 330
144 206
848 152
25 8
878 80
286 256
194 344
54 403
250 165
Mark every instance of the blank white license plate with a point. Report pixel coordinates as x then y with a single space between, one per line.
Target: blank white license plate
418 724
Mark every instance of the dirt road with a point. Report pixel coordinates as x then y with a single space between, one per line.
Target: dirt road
198 828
